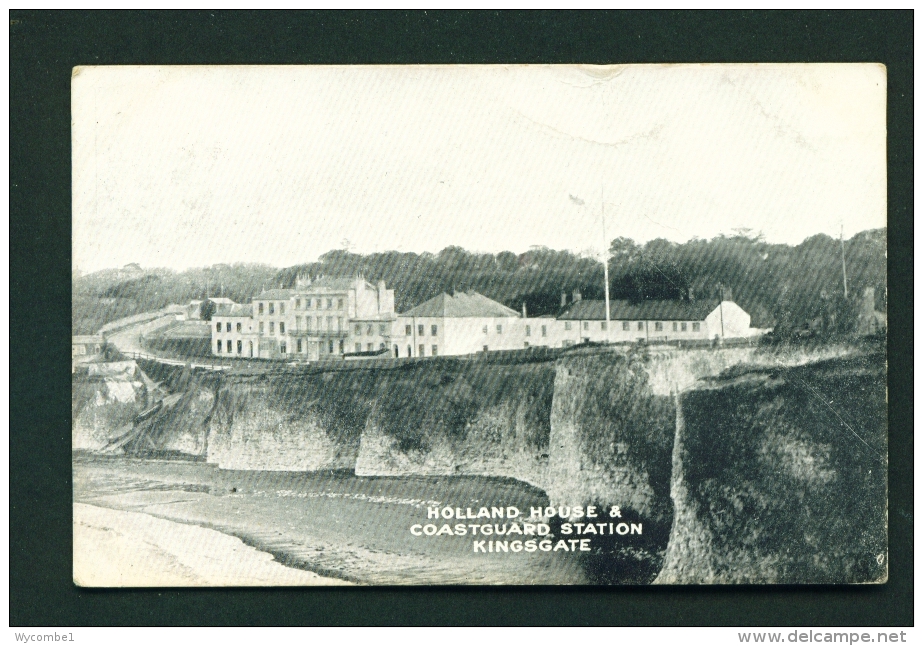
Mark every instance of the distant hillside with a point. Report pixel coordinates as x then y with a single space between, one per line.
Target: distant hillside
110 294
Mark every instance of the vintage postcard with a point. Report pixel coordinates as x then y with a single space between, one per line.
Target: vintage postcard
479 325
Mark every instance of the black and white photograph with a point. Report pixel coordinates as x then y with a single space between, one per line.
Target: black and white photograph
480 325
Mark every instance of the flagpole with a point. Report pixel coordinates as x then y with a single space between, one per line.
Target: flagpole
605 260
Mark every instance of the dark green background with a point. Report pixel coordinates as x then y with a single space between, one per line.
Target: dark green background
44 46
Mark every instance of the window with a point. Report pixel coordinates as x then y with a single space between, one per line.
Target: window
499 329
297 303
675 326
259 307
433 330
330 346
282 348
340 325
695 326
586 325
272 327
228 326
602 326
358 330
526 344
330 325
485 329
566 325
299 346
682 326
218 326
281 308
658 326
409 351
307 303
229 345
420 331
528 330
272 308
240 347
381 329
485 348
368 330
381 346
625 325
544 330
369 346
339 303
219 345
261 327
358 347
238 327
422 351
435 350
640 326
282 327
329 303
308 321
408 330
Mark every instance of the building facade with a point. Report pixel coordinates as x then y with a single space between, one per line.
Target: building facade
337 317
320 319
654 322
466 323
233 331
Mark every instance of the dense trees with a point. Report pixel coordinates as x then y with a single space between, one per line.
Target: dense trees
780 285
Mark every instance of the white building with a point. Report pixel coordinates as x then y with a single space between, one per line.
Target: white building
465 323
233 331
654 321
319 319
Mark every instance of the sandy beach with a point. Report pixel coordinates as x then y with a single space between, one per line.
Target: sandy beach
114 548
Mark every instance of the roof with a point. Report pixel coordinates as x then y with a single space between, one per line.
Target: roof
643 311
462 304
234 309
86 338
221 300
188 330
276 294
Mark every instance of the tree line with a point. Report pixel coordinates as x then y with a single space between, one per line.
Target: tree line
780 285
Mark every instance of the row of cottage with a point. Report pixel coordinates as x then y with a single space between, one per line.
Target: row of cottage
335 317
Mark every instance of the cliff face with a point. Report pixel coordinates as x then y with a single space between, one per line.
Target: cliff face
765 474
611 437
460 418
101 407
291 422
779 476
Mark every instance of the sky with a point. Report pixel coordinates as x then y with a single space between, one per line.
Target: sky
192 166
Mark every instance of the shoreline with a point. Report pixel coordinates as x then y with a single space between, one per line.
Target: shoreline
120 549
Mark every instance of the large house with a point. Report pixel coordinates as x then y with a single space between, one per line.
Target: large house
654 321
465 323
319 319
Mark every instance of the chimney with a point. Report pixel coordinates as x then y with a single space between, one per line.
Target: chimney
577 296
563 299
691 294
524 314
728 294
382 291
